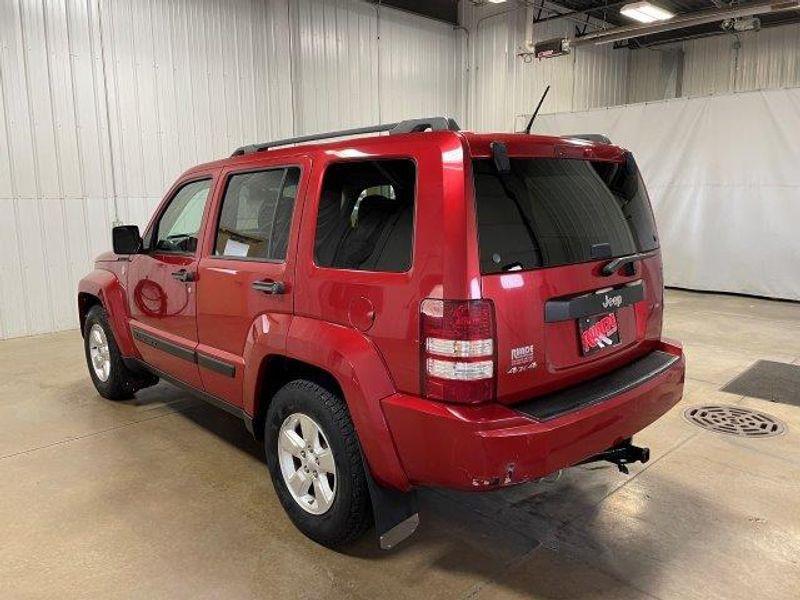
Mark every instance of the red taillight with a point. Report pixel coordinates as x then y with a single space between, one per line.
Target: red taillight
457 349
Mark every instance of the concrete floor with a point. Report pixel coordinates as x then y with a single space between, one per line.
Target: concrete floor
163 496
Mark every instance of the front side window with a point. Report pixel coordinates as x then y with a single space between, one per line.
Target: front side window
178 229
257 214
553 211
366 216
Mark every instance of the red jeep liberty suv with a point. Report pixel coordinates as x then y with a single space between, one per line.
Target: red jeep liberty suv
429 307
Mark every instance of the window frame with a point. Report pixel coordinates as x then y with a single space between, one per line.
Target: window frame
316 207
152 232
221 205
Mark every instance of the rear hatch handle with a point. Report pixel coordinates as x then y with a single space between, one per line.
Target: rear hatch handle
615 265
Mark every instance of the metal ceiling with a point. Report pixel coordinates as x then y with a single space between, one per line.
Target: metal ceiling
602 10
608 11
441 10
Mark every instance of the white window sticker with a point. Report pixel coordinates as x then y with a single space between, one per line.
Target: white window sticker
234 248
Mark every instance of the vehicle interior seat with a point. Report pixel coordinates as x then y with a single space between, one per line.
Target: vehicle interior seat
367 245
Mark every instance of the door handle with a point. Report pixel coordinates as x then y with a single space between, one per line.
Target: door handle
269 287
183 275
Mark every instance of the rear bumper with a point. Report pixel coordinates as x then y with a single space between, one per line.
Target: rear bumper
487 446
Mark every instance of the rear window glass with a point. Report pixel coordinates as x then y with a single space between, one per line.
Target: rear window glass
366 214
548 212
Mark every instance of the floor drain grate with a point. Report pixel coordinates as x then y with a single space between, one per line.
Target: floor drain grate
734 421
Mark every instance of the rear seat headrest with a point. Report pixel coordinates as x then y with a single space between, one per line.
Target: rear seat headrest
377 203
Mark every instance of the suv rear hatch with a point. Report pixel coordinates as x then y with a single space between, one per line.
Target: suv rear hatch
547 229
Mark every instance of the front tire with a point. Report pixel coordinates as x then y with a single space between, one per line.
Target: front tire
315 463
112 379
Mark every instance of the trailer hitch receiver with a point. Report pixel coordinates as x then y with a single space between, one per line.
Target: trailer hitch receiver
621 455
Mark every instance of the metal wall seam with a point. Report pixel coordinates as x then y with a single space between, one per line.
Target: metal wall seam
22 155
8 243
158 93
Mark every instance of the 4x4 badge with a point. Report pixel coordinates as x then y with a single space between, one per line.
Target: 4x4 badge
522 368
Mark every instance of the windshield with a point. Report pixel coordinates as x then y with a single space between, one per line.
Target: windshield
553 211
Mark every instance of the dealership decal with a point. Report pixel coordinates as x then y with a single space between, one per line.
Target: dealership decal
523 354
599 334
522 359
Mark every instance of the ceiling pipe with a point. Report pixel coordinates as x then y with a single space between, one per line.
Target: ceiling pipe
528 46
586 11
703 17
655 45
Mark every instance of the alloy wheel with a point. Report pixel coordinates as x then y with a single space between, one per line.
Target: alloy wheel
307 463
99 352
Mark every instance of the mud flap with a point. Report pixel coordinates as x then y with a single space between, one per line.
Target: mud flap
396 513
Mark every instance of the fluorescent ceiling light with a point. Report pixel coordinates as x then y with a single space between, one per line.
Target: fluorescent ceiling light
495 1
644 12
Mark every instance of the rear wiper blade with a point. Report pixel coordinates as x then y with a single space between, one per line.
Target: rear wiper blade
615 265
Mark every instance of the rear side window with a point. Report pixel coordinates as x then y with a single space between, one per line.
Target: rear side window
257 214
549 212
366 216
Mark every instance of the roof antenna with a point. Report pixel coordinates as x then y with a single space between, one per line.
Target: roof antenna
536 112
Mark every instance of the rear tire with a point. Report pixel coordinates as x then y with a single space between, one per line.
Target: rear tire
112 379
310 441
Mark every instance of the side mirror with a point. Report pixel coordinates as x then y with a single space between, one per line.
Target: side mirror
126 239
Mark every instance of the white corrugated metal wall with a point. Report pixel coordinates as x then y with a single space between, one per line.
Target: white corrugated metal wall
654 74
55 201
105 102
503 86
188 82
767 59
506 88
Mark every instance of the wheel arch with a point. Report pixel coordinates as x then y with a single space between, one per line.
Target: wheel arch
346 363
86 301
102 288
275 371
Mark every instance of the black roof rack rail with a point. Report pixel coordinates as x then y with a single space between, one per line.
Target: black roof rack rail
407 126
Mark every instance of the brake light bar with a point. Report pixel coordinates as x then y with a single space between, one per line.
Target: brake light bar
457 350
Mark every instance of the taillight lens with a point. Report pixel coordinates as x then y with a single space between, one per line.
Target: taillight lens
458 350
